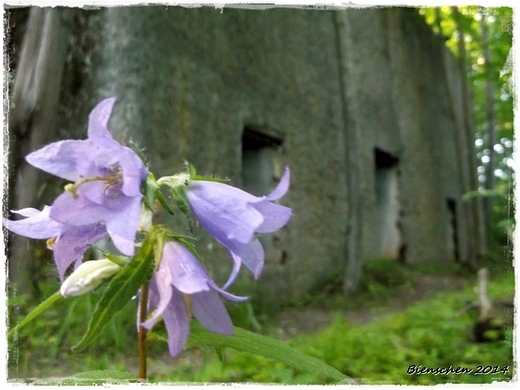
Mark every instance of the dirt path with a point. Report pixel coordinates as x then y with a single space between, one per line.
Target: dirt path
294 321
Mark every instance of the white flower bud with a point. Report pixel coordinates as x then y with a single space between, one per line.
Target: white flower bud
145 220
88 276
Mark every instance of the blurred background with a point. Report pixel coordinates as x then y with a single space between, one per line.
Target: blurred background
397 124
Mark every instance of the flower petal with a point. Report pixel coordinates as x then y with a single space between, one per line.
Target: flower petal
275 216
78 212
227 295
223 214
177 323
65 159
73 243
161 282
122 226
188 275
209 310
98 119
282 187
134 172
251 255
237 262
28 211
37 225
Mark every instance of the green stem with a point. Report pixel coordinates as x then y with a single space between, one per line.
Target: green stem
142 332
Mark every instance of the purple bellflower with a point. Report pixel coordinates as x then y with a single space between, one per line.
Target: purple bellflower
181 286
68 242
105 198
233 217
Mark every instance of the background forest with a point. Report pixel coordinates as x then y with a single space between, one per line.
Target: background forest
400 316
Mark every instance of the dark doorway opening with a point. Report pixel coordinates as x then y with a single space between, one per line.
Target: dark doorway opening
261 171
453 229
388 207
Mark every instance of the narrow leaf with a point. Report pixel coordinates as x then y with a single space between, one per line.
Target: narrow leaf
245 341
220 354
164 204
39 309
120 290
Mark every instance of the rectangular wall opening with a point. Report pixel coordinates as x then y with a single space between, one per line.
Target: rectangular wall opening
258 159
261 166
453 239
388 234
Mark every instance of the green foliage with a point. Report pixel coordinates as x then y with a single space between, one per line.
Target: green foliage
499 72
380 276
120 290
257 344
43 346
432 334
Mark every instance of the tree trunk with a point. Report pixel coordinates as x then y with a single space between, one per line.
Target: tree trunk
32 122
470 138
491 124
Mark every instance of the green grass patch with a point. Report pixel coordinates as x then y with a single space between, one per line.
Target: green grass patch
432 334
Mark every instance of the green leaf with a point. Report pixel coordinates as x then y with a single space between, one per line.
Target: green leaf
33 314
164 204
119 291
245 341
220 354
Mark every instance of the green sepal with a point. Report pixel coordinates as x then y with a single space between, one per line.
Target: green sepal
150 191
119 291
246 341
36 312
179 195
194 176
118 259
206 178
139 152
191 170
158 245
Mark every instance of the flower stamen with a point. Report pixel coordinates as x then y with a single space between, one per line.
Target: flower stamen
110 180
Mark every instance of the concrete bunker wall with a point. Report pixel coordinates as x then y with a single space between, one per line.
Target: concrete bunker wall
320 91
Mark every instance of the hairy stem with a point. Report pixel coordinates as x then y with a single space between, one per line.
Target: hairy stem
142 332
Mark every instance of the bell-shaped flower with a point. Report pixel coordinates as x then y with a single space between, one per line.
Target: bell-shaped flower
233 217
88 276
68 242
107 178
181 286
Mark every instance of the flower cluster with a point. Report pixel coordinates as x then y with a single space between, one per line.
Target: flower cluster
106 198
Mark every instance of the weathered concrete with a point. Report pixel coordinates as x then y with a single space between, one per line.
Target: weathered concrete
325 89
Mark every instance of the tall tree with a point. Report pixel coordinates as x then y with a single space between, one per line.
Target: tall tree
490 121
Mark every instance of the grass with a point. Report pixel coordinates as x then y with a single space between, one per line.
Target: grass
430 333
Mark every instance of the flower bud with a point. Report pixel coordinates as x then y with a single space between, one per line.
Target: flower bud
88 276
145 220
